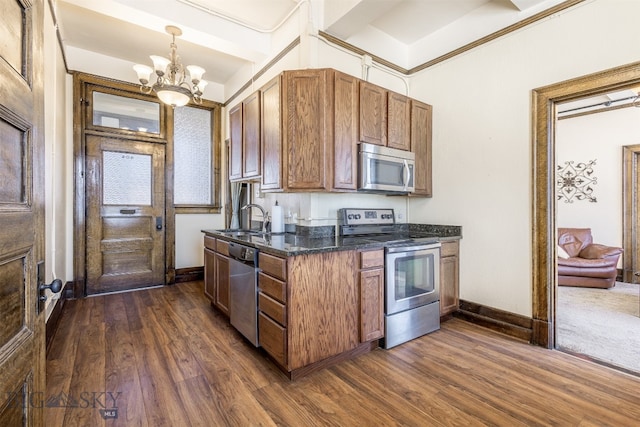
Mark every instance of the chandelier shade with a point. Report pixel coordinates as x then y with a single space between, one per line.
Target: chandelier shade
173 83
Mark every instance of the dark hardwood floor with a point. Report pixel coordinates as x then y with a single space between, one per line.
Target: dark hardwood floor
164 357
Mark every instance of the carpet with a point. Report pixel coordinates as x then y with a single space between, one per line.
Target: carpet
603 324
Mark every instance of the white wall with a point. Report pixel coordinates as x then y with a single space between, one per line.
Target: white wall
56 195
597 137
482 161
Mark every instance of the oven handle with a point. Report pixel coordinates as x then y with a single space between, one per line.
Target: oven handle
415 248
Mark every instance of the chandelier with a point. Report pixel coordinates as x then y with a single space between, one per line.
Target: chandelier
172 85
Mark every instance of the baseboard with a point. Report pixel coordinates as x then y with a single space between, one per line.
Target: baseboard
514 325
189 274
56 313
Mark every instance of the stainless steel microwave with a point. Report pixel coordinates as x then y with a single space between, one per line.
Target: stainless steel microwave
385 169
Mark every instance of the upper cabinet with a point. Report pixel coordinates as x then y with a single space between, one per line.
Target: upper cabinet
251 136
345 132
300 131
373 114
244 145
235 143
421 117
385 117
307 107
398 121
271 140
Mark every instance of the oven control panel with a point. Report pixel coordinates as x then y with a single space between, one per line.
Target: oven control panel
353 216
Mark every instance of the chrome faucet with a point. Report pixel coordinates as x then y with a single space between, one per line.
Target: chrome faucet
265 216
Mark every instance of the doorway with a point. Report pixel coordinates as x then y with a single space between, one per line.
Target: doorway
544 212
125 204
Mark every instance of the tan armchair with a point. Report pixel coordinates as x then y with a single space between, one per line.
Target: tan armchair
588 264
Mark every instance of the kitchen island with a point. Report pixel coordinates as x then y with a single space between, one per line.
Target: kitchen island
320 298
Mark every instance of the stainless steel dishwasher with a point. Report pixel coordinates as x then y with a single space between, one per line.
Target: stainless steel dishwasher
243 290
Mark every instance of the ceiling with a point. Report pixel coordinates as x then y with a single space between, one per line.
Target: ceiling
226 36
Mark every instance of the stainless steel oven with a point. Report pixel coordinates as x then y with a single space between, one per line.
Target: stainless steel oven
412 301
384 169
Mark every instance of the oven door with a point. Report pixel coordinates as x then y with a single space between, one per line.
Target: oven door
379 172
412 276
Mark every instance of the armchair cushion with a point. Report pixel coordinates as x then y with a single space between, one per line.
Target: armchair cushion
596 251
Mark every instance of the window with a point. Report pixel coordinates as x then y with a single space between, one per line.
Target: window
193 157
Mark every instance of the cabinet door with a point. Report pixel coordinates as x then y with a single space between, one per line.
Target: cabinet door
222 281
271 140
308 96
273 338
345 149
209 275
371 304
373 114
251 136
235 142
449 268
398 122
421 116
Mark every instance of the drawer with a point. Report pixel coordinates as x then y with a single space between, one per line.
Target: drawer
222 247
273 266
449 248
369 259
273 287
210 243
272 308
273 339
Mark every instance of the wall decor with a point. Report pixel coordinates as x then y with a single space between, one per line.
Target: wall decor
576 181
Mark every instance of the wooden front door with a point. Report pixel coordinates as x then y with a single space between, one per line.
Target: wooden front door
21 213
125 221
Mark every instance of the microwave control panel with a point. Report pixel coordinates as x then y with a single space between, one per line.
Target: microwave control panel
352 216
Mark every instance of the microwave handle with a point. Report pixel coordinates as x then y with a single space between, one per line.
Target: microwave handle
406 175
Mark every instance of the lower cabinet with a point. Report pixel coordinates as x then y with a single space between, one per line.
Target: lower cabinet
449 282
222 283
216 273
272 306
310 307
371 281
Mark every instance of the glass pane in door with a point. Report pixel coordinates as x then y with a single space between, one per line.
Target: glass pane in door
121 112
126 179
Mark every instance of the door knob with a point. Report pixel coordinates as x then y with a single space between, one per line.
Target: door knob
54 287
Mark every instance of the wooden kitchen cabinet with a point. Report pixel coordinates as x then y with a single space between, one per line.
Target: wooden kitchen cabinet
244 139
398 121
309 309
251 136
271 135
373 114
449 282
222 283
235 143
307 107
371 280
216 273
385 117
345 134
272 307
210 275
421 135
309 124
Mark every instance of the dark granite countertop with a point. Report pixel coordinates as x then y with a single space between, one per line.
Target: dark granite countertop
289 244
